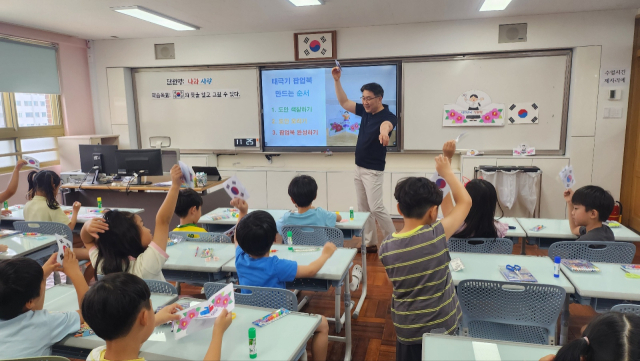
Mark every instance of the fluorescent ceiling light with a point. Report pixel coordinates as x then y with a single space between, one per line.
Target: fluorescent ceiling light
154 17
493 5
306 2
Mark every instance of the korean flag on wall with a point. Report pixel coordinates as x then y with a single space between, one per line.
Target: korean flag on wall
315 46
523 113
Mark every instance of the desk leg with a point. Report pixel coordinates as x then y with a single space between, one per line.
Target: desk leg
564 322
363 281
347 322
523 243
338 319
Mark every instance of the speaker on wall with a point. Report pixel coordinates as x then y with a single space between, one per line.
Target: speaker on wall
512 33
165 51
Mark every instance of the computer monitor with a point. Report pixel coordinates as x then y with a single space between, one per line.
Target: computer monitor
98 159
170 157
144 162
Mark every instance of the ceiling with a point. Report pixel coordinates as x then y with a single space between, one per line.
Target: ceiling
93 19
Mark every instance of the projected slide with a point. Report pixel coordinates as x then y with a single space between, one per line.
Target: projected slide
301 108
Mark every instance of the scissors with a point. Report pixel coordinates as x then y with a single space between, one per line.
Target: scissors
515 268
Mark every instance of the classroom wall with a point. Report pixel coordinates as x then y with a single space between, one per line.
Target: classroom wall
73 70
593 142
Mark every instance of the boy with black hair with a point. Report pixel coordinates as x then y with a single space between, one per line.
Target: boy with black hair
416 260
303 190
590 206
189 210
25 328
118 308
255 234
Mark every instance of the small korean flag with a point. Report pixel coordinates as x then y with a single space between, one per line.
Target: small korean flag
315 46
178 94
523 113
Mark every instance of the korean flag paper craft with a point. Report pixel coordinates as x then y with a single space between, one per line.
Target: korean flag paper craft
523 113
187 174
235 189
63 243
31 161
566 175
204 314
441 183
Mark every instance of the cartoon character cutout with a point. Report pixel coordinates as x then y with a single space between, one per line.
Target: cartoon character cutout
473 101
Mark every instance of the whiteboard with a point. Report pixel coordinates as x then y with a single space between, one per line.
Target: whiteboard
540 79
209 123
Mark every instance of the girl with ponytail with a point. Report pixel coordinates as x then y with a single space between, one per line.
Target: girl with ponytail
609 336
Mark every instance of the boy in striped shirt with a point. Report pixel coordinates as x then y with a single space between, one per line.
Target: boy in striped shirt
417 261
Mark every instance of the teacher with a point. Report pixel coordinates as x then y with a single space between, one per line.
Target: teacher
373 138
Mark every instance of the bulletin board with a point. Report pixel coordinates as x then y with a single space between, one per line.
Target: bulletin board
530 83
198 108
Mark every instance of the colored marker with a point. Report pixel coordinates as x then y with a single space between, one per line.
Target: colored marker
197 249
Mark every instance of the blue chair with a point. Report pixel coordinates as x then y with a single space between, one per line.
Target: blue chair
201 237
49 228
627 308
313 235
265 297
481 245
607 252
161 287
509 311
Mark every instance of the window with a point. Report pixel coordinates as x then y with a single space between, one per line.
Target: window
29 133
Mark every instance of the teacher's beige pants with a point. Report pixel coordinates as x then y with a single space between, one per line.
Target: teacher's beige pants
369 194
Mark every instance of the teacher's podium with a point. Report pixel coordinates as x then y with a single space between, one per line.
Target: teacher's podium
148 197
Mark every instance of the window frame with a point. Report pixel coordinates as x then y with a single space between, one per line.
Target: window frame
15 133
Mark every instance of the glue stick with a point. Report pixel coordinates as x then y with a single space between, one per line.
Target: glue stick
99 202
6 205
289 238
253 353
351 213
556 267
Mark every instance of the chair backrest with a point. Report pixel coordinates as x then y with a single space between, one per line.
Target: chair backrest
509 311
259 297
201 237
50 228
313 235
481 245
161 287
627 308
608 252
42 358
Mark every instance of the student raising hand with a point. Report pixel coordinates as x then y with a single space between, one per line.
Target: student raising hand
242 206
449 149
51 265
177 177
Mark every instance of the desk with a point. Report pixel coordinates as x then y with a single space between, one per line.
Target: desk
445 347
147 197
598 287
479 266
184 266
285 339
84 215
559 228
358 224
518 232
334 273
37 248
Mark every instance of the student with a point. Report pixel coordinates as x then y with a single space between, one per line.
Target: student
12 188
255 233
416 260
25 328
120 242
590 206
118 308
189 210
609 336
303 190
480 222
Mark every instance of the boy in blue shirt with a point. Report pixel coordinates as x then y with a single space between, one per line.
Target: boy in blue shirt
255 233
303 190
26 329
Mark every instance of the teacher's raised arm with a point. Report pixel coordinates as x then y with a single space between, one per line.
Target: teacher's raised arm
348 105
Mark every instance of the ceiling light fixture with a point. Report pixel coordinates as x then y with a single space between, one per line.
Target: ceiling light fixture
306 2
494 5
154 17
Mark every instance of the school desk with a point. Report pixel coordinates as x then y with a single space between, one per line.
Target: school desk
559 228
85 214
148 197
284 339
334 273
445 347
184 266
480 266
603 290
37 248
357 225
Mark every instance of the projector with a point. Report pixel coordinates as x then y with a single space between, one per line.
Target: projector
72 177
